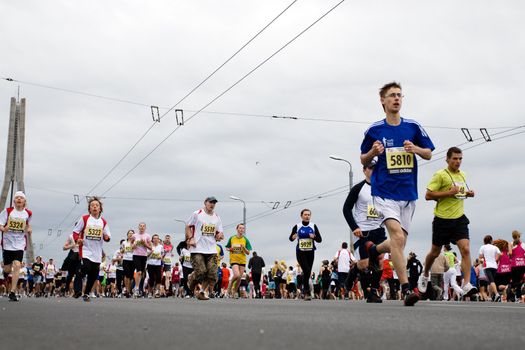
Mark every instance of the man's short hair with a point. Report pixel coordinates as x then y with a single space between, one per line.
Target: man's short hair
453 150
344 245
386 87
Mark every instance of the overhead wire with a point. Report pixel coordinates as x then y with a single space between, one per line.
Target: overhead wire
223 93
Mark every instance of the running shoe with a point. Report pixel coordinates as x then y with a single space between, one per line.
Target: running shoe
411 298
469 290
202 296
497 298
422 283
13 297
373 261
86 298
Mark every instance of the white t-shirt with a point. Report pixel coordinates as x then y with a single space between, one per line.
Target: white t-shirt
92 235
70 240
50 271
117 255
344 257
23 274
186 258
489 252
112 271
155 257
102 269
127 251
204 228
365 214
17 222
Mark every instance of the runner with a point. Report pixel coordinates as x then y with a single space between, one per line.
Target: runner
517 264
72 264
14 226
306 234
187 268
37 270
203 230
111 281
167 262
51 271
449 189
155 256
395 141
89 233
118 260
176 279
239 247
141 243
489 255
365 223
128 265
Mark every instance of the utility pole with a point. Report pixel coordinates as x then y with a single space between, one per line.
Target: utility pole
14 162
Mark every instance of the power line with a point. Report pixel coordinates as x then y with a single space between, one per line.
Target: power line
223 93
142 104
252 115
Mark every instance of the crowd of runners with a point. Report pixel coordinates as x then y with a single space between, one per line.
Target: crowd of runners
378 210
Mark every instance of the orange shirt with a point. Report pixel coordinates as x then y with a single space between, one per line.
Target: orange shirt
225 274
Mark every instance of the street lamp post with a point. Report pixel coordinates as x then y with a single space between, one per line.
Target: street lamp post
350 183
243 209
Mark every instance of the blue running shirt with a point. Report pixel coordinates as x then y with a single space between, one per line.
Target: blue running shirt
395 174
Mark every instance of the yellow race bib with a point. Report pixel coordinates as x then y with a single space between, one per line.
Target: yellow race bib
237 249
371 212
306 244
16 224
208 229
399 161
93 233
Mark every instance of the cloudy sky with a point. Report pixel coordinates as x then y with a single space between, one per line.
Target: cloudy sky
460 63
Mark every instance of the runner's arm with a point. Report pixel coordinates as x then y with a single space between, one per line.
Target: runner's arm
348 207
293 235
317 237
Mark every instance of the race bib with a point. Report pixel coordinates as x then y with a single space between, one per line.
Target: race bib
371 212
462 194
399 161
306 244
16 224
155 256
93 233
36 268
519 261
208 229
128 249
187 258
237 249
167 260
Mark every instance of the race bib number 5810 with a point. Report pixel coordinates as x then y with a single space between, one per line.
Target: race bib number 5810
399 161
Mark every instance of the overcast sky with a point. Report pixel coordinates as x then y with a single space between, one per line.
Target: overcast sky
460 64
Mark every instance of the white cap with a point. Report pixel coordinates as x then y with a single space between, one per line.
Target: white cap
20 194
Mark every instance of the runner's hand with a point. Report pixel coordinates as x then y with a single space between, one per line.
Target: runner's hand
454 190
409 146
312 235
470 193
80 241
378 148
357 232
294 236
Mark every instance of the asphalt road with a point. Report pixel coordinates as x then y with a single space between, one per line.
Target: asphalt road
258 324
